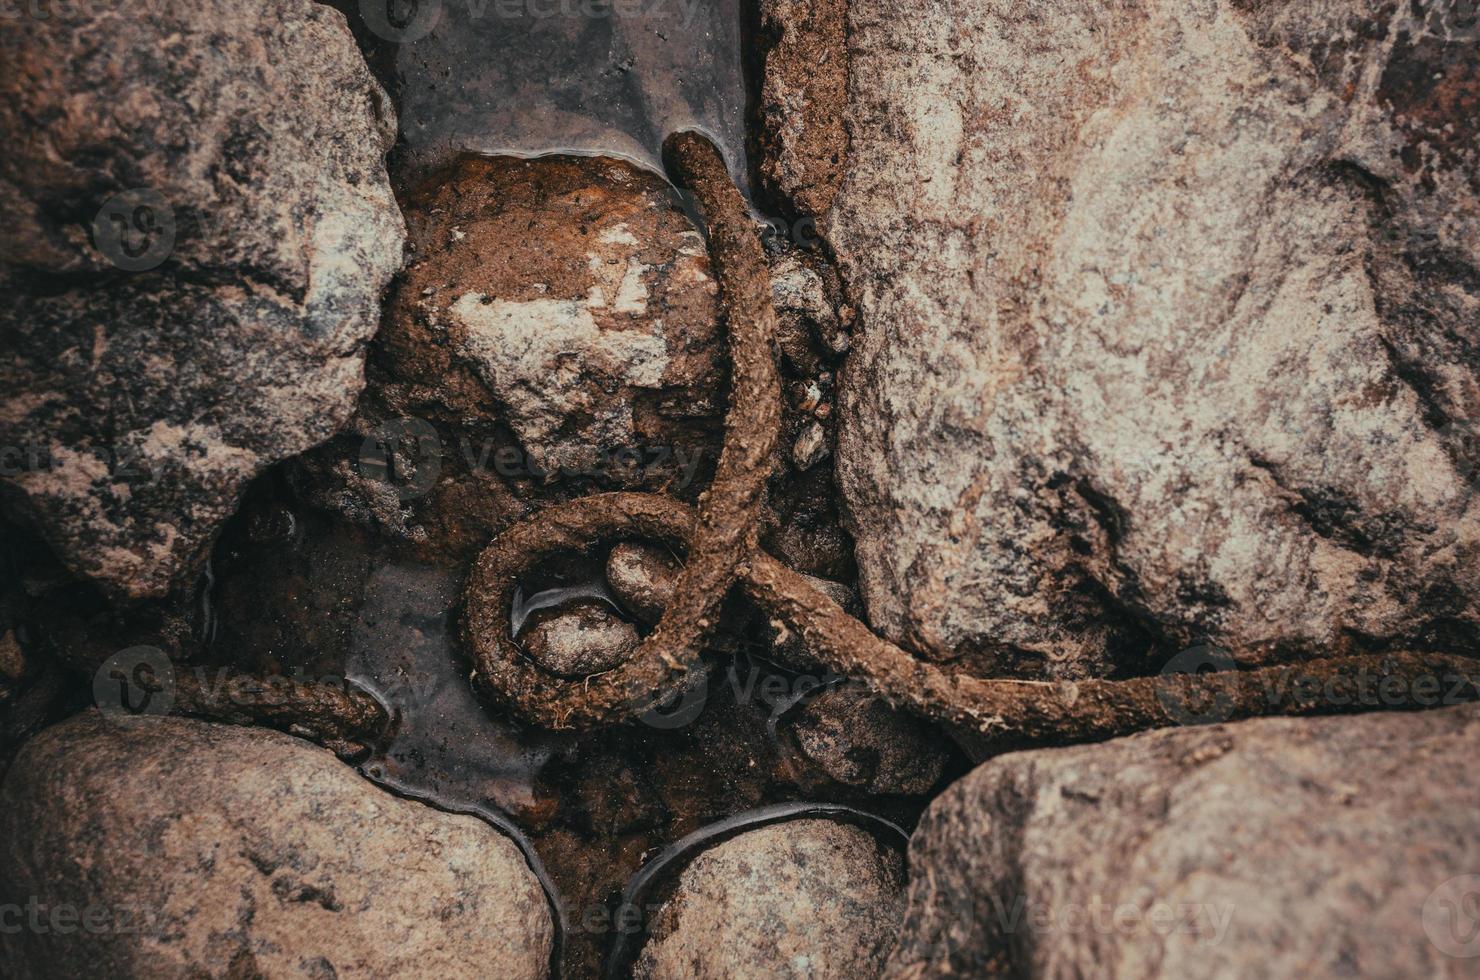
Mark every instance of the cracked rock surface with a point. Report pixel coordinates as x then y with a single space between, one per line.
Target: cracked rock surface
205 850
1168 328
200 227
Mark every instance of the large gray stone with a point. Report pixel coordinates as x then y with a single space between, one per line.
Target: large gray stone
1169 325
164 847
1270 848
198 230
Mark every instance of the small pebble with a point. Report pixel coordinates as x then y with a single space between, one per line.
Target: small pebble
810 447
860 740
804 898
13 664
578 639
642 578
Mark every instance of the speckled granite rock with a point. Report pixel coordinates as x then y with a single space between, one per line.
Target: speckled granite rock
177 848
1270 848
1169 327
643 577
199 228
805 898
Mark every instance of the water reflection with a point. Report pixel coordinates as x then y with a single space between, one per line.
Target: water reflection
528 77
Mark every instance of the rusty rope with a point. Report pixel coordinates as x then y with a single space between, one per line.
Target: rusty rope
720 543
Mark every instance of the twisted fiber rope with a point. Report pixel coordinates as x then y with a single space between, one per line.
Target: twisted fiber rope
720 541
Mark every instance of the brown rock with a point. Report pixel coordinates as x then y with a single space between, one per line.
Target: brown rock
573 294
1277 847
804 91
642 577
810 446
578 639
175 848
200 226
859 740
1166 336
592 365
805 898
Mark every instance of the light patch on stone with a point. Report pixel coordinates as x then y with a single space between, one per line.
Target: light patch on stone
632 293
201 446
618 234
549 359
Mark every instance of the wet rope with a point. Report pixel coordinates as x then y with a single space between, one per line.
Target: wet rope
720 541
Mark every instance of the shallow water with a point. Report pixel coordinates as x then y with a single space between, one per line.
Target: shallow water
531 77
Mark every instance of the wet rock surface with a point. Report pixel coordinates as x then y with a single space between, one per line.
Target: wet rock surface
1167 336
195 256
805 898
335 600
1281 847
184 849
555 332
583 78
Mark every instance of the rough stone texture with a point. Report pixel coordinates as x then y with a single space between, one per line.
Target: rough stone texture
578 639
859 740
573 292
805 898
1271 848
1168 327
805 293
144 400
804 90
643 577
209 850
593 366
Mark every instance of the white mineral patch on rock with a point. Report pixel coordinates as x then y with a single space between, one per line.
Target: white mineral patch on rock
546 356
